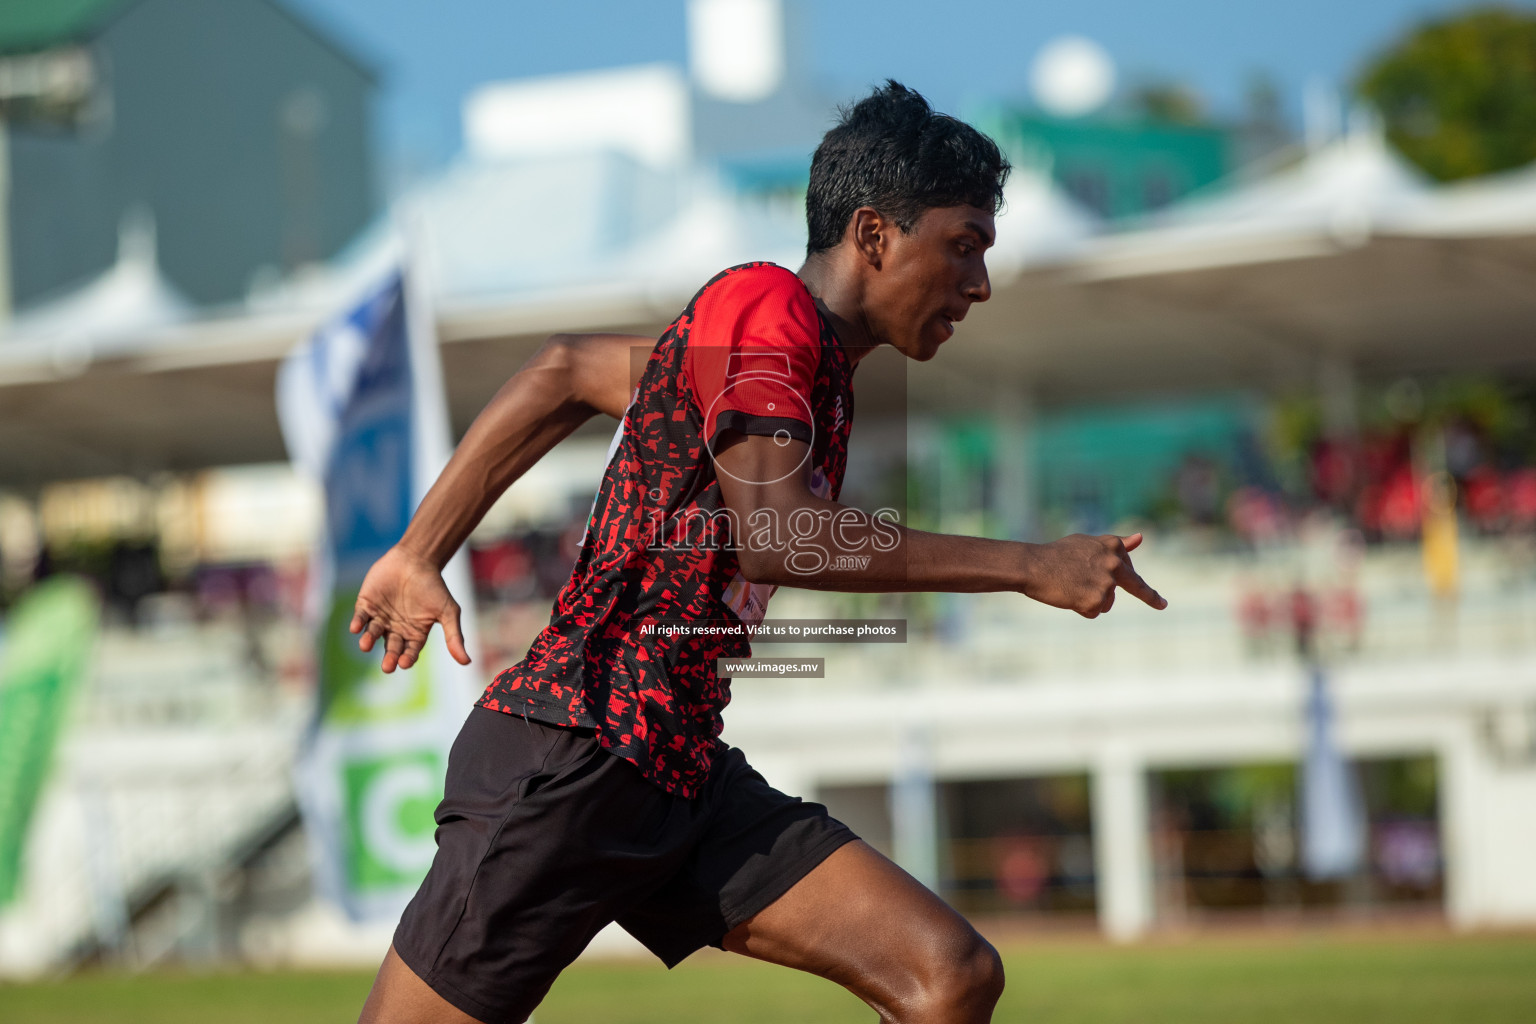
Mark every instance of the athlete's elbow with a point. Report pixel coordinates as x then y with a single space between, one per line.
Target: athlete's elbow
552 363
755 561
759 566
558 350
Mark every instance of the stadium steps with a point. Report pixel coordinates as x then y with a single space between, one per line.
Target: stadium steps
190 916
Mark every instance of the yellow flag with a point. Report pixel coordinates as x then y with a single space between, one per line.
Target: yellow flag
1439 536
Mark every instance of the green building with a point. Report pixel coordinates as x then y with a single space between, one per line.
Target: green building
238 127
1116 165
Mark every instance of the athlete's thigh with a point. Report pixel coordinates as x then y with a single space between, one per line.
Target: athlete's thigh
398 996
861 921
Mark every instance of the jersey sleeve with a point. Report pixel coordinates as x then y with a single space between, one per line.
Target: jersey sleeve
753 351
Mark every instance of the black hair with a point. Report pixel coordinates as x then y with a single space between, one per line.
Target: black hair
892 152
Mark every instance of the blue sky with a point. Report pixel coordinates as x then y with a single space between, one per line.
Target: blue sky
433 51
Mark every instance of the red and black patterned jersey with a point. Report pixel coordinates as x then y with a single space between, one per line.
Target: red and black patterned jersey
751 354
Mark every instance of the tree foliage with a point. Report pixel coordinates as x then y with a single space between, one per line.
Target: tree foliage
1173 102
1459 95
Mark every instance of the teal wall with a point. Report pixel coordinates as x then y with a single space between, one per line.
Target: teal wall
1090 468
1116 166
1096 467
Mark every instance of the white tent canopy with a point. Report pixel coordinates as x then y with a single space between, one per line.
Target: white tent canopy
712 230
1499 205
1038 225
1336 198
112 312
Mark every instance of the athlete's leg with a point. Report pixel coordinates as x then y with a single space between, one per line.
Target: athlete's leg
863 922
542 838
399 997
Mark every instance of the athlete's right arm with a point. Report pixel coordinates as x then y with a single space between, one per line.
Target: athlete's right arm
571 378
792 537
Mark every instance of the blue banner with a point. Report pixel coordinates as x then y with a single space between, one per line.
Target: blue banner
1333 829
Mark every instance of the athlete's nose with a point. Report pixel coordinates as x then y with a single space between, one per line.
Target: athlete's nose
979 290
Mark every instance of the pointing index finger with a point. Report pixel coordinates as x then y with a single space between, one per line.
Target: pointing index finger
1131 582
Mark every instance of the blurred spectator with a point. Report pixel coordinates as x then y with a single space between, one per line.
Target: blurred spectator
1482 493
1407 853
1463 448
1022 869
1255 618
1303 621
1400 499
528 565
1520 498
1256 516
252 595
1198 486
1344 614
1332 472
503 571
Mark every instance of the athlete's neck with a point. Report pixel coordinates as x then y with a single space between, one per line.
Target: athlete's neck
841 300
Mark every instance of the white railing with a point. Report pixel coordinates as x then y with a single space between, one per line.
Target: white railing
1005 637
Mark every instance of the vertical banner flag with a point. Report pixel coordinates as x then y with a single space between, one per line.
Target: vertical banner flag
363 412
1333 832
914 810
47 648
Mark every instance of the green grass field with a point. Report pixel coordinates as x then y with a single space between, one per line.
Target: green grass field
1411 979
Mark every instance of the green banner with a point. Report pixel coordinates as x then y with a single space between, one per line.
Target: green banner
390 783
46 649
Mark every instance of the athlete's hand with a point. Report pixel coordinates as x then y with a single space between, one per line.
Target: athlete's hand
1081 573
402 596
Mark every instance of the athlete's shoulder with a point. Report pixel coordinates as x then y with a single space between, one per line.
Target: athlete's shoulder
749 284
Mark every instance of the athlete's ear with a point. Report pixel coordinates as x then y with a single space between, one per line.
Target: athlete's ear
868 230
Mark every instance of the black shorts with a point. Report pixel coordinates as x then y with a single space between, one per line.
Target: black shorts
543 838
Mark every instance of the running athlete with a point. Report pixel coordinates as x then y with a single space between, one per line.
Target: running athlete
589 783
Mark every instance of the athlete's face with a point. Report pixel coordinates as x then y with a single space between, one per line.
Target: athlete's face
928 278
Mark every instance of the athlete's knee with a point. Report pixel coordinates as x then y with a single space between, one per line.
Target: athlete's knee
980 974
964 980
